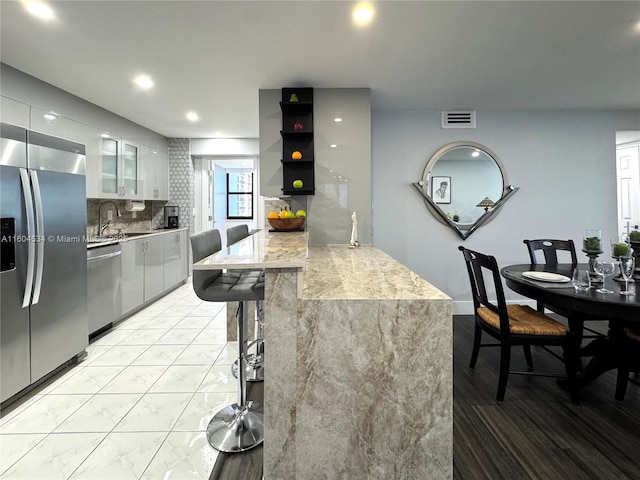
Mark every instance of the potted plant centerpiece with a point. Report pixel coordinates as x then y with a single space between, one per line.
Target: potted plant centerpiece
592 246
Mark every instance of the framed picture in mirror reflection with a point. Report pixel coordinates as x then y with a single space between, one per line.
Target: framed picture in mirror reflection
441 189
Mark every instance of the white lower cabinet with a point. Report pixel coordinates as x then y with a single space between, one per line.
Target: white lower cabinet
132 275
152 265
175 258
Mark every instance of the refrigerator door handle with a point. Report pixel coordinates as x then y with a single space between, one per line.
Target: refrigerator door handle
28 203
40 237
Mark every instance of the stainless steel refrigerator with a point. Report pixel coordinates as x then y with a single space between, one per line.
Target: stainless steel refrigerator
43 279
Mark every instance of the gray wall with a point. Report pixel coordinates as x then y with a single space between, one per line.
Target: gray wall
342 174
563 162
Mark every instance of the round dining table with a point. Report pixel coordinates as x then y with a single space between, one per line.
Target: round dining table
620 311
609 306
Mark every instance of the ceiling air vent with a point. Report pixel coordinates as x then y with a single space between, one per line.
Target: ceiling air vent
458 119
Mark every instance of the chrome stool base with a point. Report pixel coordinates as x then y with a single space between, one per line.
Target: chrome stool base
235 429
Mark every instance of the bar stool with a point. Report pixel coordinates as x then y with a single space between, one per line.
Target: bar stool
255 361
239 426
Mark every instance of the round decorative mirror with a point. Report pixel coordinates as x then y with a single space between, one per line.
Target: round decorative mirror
464 183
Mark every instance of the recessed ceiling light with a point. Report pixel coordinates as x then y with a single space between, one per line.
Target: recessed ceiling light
333 145
39 9
362 14
50 116
475 153
105 135
337 119
193 116
143 81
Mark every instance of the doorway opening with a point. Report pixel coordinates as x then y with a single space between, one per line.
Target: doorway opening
628 180
220 204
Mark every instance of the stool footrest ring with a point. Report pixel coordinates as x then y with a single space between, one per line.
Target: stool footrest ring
253 367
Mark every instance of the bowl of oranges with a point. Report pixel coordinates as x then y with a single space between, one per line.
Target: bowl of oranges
286 220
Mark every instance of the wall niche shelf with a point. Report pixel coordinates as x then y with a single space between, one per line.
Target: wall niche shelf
297 136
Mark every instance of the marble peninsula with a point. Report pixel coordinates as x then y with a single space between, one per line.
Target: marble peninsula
358 367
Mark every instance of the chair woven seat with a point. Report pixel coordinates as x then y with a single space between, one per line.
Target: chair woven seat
524 320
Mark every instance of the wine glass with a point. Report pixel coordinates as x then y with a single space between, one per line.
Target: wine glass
603 269
627 264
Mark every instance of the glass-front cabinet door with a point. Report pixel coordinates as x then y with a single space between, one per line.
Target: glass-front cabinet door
130 162
119 169
110 160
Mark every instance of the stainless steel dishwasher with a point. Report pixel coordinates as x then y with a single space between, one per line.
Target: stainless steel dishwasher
104 286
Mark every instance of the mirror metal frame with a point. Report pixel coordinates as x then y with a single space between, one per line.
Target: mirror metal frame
438 213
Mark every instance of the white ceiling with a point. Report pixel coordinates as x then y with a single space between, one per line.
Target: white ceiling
213 56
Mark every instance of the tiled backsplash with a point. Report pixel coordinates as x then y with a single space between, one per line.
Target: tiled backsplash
181 180
152 217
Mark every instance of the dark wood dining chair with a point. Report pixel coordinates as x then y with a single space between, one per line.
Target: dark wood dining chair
513 325
551 249
630 362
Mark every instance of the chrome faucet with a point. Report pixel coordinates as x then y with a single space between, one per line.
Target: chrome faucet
101 227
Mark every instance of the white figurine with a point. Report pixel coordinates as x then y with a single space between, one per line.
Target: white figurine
354 231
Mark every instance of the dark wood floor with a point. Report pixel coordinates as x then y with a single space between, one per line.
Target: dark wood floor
535 434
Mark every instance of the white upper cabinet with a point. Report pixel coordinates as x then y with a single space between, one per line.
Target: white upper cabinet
156 173
14 112
131 171
109 169
117 173
59 126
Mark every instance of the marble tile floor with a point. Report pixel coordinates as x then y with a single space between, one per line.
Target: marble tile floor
136 408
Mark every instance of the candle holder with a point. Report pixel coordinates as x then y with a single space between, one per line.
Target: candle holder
592 247
620 247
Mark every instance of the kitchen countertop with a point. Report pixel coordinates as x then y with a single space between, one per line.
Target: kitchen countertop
330 271
263 249
125 236
337 272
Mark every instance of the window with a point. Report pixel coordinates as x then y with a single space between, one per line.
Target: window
240 195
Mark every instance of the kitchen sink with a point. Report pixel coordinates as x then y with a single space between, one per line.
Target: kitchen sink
105 239
136 234
117 238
